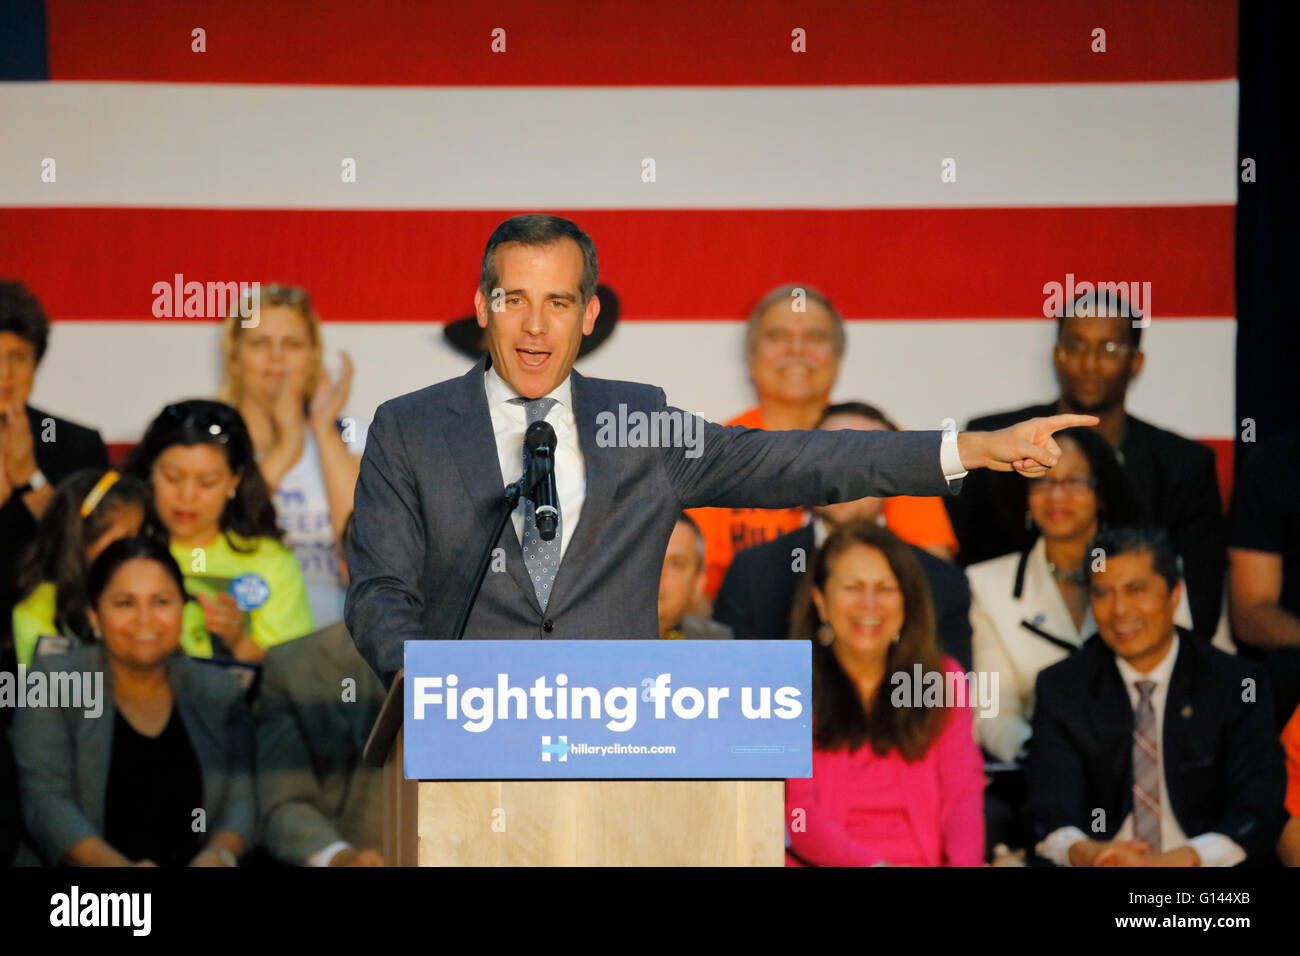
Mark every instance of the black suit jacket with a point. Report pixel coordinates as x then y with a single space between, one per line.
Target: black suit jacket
1175 485
757 594
73 447
1224 766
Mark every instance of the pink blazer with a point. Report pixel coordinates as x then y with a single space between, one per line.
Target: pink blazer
942 794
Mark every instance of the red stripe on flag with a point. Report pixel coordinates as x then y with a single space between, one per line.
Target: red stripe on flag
1225 450
401 265
575 42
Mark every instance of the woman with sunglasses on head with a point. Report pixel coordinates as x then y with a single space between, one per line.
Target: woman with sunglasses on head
896 776
122 784
210 496
274 375
90 510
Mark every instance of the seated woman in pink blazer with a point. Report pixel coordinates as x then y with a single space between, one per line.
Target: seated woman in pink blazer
893 783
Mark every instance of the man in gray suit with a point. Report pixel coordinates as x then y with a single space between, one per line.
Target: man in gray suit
437 460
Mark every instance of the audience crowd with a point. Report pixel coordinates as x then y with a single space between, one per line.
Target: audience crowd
1102 703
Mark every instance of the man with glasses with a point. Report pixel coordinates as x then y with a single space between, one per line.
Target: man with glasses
1096 358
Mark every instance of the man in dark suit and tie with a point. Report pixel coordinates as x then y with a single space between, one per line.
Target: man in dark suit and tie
1096 358
1151 748
626 465
758 590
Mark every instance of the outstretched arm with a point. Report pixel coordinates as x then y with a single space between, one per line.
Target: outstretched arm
733 467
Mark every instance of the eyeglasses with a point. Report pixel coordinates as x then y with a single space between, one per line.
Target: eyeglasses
210 418
1109 352
1071 486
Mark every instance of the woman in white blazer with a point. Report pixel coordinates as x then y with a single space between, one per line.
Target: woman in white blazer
1031 609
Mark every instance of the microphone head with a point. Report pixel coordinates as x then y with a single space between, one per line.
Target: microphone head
539 435
548 520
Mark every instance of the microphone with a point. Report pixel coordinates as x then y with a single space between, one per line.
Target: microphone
540 481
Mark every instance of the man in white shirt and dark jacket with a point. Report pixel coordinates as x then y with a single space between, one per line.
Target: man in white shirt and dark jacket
1149 747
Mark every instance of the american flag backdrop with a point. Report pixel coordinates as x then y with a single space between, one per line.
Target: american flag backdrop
769 166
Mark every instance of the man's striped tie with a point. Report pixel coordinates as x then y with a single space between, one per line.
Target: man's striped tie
1146 769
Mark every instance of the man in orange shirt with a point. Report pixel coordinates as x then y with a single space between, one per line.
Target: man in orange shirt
794 345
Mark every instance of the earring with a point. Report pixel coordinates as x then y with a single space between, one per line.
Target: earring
825 635
897 637
233 492
1029 521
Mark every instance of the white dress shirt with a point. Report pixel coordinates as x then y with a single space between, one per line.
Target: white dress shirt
509 422
1214 849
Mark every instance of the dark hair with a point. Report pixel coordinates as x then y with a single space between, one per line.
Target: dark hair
539 229
21 314
684 518
1116 500
839 719
129 549
1086 304
58 554
861 409
198 421
1115 542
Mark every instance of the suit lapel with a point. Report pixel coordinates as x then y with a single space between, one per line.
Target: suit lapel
95 744
467 426
1178 714
1052 621
601 467
1111 712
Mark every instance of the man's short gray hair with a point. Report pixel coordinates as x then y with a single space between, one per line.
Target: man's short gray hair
787 292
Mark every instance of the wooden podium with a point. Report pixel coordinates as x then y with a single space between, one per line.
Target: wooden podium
571 822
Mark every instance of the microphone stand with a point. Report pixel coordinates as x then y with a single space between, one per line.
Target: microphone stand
509 499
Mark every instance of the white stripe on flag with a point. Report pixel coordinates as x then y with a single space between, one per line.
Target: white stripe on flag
117 375
200 145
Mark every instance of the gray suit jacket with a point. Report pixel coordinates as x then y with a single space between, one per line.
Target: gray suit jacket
63 755
312 785
430 482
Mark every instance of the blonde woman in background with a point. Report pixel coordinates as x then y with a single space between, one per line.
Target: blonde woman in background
275 376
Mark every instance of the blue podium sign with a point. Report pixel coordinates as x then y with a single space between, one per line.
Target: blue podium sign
537 710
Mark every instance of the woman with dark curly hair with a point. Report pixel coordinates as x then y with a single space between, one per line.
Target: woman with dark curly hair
214 503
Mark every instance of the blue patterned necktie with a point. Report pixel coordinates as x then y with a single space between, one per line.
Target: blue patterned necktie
541 558
1146 769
